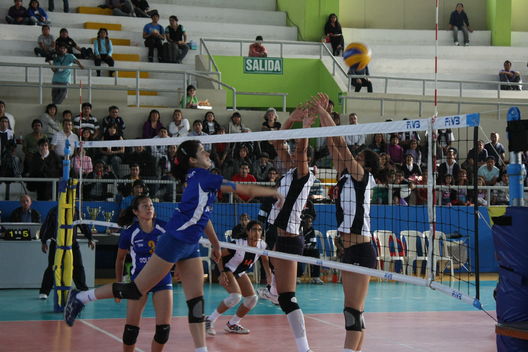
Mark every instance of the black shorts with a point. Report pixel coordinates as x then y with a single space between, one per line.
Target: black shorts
362 254
291 245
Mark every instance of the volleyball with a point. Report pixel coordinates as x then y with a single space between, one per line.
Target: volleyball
357 55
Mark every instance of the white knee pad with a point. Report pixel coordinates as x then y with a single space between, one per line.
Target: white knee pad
250 301
232 300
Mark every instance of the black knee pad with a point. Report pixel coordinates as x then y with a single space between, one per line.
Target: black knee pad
291 245
162 333
130 334
127 291
354 320
196 310
288 302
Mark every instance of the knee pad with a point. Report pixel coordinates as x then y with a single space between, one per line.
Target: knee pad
127 291
130 334
250 301
288 302
232 300
196 310
162 333
354 320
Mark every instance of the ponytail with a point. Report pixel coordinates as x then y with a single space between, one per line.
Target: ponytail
186 150
372 162
127 216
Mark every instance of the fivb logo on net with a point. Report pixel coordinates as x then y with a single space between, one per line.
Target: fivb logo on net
412 124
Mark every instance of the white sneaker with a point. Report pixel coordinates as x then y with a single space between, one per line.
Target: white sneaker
299 280
317 281
263 292
457 43
209 327
466 44
236 329
43 296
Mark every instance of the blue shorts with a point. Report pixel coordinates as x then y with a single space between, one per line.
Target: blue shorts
164 284
174 250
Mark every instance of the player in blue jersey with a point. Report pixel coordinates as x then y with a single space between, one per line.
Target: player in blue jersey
354 191
233 277
140 239
179 244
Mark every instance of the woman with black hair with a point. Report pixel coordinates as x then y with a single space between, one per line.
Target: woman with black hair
354 190
140 238
180 244
103 50
236 282
334 32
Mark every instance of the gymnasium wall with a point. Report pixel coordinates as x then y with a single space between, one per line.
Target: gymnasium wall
309 16
519 9
301 79
408 14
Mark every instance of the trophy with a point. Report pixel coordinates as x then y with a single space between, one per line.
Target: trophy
108 215
94 212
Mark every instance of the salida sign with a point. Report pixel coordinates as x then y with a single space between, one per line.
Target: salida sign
266 65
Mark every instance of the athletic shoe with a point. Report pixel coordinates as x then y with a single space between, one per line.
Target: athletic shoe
299 280
317 281
43 296
263 292
235 329
466 44
73 308
209 327
457 44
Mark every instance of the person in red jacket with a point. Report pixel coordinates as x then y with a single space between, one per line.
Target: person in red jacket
244 176
257 49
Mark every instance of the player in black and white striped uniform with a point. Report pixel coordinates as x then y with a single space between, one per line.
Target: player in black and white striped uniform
353 217
236 281
295 188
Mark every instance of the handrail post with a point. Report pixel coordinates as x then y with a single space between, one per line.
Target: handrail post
137 88
333 67
90 85
321 51
241 48
284 103
201 46
174 191
386 89
281 49
54 190
382 107
40 84
423 90
420 108
460 89
498 91
234 99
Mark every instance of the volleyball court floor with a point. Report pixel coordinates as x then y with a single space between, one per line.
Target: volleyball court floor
399 318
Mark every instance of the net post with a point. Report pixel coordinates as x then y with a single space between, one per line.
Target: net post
430 198
476 217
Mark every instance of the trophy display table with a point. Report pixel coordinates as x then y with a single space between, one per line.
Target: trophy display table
23 263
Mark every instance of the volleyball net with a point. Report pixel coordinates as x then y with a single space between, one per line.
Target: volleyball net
424 198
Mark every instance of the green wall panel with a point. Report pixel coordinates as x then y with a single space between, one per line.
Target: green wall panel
309 16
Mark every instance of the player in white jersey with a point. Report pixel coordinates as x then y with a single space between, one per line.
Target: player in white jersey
353 217
295 188
235 280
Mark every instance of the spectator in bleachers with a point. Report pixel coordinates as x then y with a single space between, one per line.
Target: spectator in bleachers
98 191
6 134
358 83
138 188
235 124
62 76
113 118
461 194
407 137
103 50
310 250
496 149
395 151
37 13
167 163
80 158
458 21
46 44
510 76
261 167
189 100
240 229
482 195
87 136
152 126
24 213
141 156
10 118
197 130
30 144
478 158
18 14
257 49
378 143
219 151
113 156
177 41
243 175
414 150
118 7
210 125
153 34
86 121
445 139
59 139
179 127
49 121
45 164
70 44
141 8
270 124
232 164
450 166
354 142
501 196
410 168
385 162
51 6
447 195
489 172
334 33
125 189
12 165
159 152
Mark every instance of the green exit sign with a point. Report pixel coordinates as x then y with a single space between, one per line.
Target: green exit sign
266 65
